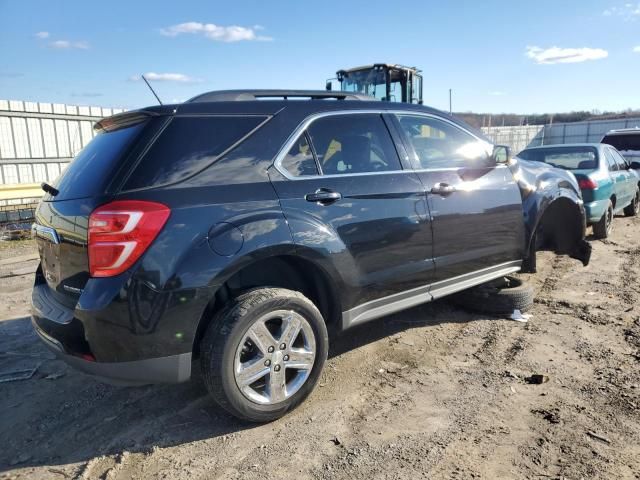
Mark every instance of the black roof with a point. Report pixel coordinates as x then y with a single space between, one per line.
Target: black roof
247 95
298 103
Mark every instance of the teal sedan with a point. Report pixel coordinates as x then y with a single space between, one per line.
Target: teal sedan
608 183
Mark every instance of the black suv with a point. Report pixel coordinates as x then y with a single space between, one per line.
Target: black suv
241 226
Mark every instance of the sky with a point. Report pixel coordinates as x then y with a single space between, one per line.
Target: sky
496 55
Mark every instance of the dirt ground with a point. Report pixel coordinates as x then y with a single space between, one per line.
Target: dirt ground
434 392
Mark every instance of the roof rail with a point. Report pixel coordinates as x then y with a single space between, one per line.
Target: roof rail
240 95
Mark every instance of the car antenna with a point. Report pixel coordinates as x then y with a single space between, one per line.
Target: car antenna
152 90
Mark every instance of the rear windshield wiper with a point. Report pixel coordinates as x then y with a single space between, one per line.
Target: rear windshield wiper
49 189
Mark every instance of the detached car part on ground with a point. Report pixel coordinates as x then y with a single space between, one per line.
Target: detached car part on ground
240 231
609 183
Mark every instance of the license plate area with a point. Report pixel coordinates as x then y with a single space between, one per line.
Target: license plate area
48 242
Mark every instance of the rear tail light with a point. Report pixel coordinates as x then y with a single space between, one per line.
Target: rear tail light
120 232
587 184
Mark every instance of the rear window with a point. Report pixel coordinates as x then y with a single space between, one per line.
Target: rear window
84 177
624 143
567 158
627 145
188 145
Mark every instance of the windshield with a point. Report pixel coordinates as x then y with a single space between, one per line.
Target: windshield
370 82
567 158
373 82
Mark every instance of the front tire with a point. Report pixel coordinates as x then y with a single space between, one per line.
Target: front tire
602 229
631 210
263 353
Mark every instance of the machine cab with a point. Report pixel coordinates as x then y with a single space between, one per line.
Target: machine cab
393 83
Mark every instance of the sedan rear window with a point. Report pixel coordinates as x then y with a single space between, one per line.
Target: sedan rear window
567 158
188 145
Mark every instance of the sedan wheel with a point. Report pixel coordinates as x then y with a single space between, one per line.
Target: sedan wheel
602 229
631 210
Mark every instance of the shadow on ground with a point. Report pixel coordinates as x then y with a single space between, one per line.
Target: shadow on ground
60 416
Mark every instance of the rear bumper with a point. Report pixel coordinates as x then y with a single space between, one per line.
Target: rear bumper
172 369
101 341
595 210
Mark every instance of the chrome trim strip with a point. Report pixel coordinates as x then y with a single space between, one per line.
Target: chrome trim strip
381 307
300 129
462 282
452 169
47 233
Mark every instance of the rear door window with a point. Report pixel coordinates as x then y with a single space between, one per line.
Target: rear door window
620 161
354 143
611 161
300 161
188 145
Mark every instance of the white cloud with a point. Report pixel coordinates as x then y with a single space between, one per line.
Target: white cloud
42 35
232 33
636 49
565 55
66 44
629 11
166 77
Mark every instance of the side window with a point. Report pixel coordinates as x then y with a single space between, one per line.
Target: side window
438 144
613 167
299 160
188 145
353 143
620 161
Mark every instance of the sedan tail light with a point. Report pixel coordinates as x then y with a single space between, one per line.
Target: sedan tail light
120 232
587 184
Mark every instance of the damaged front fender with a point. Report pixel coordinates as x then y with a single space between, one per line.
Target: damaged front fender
553 212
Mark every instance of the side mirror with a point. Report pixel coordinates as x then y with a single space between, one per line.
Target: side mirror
635 165
501 154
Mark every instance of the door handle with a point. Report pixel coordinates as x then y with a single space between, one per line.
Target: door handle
443 189
323 196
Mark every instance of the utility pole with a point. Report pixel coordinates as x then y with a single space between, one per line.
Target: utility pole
450 105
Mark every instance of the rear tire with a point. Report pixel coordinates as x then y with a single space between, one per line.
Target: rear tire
501 296
602 229
256 373
631 210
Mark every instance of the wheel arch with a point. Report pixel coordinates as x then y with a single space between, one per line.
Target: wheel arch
284 270
559 227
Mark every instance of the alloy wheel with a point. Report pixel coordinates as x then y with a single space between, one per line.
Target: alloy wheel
275 357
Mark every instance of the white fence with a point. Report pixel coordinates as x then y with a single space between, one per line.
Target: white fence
38 140
521 137
518 138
